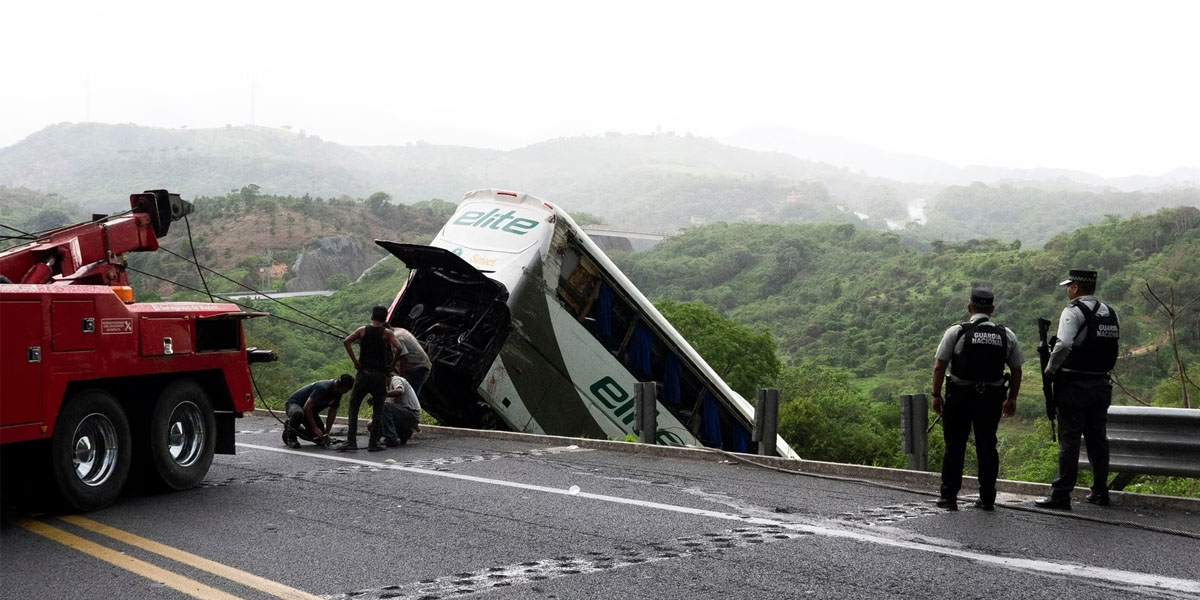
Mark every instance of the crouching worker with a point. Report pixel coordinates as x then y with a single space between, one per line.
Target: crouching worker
306 403
401 412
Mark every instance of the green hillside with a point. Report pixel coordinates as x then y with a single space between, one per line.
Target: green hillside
877 303
31 211
240 233
1036 213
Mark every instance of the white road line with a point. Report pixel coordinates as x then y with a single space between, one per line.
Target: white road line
1118 577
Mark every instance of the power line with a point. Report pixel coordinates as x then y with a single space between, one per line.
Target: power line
188 287
24 233
265 295
195 260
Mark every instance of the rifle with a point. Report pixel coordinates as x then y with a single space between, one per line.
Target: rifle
933 424
1043 349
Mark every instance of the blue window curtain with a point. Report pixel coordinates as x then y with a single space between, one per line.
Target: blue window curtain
641 347
671 391
710 425
602 311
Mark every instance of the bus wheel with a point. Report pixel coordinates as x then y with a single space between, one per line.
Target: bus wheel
183 436
91 450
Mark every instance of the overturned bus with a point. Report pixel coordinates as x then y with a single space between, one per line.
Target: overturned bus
531 328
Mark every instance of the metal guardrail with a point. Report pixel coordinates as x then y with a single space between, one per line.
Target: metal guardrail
766 420
1145 440
914 430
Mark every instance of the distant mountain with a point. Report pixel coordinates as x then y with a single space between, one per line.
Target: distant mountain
662 181
851 155
919 169
1181 177
99 165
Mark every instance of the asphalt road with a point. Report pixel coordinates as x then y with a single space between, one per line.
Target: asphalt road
458 516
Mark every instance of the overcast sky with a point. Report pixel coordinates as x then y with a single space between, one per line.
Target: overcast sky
1107 87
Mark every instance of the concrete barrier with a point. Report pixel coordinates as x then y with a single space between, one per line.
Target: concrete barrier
917 480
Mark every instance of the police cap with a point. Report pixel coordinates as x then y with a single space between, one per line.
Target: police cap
982 298
1080 276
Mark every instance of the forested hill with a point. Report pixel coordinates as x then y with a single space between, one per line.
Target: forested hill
30 211
662 181
284 243
877 303
96 164
1034 214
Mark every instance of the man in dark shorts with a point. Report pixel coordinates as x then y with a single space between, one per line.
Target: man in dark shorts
374 362
306 403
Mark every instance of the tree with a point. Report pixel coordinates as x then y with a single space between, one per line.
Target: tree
47 219
337 281
824 417
744 357
377 201
250 195
440 209
1173 311
250 192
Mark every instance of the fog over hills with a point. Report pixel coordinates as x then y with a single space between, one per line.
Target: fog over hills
920 169
89 162
660 181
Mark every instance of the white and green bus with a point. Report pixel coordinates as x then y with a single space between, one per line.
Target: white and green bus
532 328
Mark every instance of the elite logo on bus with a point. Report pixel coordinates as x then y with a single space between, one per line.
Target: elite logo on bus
490 220
615 398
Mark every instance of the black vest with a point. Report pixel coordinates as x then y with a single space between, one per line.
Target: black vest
984 352
1097 352
373 354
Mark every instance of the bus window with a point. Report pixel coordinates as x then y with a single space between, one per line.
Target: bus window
578 284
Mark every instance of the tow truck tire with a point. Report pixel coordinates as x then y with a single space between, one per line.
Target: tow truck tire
91 450
182 436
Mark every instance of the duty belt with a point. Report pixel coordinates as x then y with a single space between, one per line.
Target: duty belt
979 386
1081 374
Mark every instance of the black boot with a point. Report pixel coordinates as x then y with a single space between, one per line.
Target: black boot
1055 502
1098 498
948 503
987 500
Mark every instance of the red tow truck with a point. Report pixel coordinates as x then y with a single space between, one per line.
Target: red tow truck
106 389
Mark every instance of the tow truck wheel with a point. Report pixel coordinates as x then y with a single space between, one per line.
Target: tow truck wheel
91 450
183 436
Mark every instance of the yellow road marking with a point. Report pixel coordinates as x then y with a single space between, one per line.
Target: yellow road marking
190 587
250 580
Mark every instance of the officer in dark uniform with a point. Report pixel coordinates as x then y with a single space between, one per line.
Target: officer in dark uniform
1088 335
373 362
975 352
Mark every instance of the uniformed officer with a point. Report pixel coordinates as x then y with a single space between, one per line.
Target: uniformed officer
976 352
1088 335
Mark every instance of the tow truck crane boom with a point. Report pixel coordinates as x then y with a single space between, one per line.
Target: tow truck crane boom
91 253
